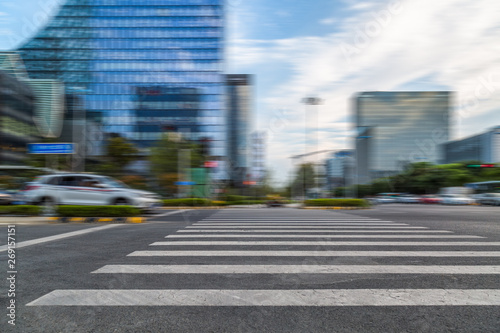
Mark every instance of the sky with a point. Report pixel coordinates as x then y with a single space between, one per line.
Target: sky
333 49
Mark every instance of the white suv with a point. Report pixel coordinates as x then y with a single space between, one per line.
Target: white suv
85 189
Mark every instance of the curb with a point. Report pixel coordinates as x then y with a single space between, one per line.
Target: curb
97 219
336 208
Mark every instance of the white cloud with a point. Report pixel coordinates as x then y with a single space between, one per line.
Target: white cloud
452 43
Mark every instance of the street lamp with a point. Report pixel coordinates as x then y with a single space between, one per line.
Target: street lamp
311 102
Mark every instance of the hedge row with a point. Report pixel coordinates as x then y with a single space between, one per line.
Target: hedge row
337 203
97 211
20 210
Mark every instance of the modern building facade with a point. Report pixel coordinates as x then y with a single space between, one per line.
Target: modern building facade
484 147
239 109
17 128
395 129
339 169
258 156
116 53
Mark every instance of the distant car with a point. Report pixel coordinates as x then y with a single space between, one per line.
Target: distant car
408 198
5 198
489 199
453 199
85 189
274 203
430 199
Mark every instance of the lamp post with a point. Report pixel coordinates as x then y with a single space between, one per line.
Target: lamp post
310 103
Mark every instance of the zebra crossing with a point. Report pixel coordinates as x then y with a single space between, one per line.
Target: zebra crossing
311 246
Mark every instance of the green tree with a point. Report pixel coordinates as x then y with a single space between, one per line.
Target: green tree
120 151
304 179
164 156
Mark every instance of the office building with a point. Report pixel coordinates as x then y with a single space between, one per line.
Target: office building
395 129
141 65
258 157
17 128
239 109
339 169
484 147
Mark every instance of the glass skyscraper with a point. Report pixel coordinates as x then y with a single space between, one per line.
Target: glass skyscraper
143 67
395 129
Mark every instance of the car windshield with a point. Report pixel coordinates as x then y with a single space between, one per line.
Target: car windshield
113 182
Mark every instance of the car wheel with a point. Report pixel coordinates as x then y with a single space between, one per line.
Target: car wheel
120 202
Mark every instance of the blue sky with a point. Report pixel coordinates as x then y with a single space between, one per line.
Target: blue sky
332 49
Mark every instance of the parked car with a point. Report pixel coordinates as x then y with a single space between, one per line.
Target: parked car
430 199
85 189
488 199
455 199
5 198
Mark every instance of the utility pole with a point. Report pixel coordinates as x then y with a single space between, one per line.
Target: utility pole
311 103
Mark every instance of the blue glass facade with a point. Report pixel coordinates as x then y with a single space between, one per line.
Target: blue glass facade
141 64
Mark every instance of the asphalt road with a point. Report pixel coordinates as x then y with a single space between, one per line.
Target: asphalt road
394 268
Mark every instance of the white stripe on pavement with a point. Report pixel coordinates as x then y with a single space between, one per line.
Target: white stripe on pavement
205 253
325 243
291 225
326 236
296 230
237 233
60 236
301 297
170 213
297 269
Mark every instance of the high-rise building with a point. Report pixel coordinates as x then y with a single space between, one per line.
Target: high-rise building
484 147
339 169
395 129
17 128
141 65
258 156
239 108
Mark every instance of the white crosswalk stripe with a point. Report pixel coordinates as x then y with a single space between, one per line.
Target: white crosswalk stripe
251 250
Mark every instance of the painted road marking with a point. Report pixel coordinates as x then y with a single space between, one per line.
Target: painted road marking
329 236
302 230
60 236
296 269
205 253
238 234
326 243
302 297
290 225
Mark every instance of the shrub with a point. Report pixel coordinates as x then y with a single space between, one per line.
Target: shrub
20 210
232 198
190 202
98 211
337 203
247 202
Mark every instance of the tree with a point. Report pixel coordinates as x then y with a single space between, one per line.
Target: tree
120 151
164 156
304 179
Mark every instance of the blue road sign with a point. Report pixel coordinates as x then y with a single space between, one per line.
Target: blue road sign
185 183
51 148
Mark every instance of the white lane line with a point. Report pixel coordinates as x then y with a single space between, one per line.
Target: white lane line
441 254
296 230
297 269
237 233
288 224
301 297
324 243
329 236
60 236
297 227
170 213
